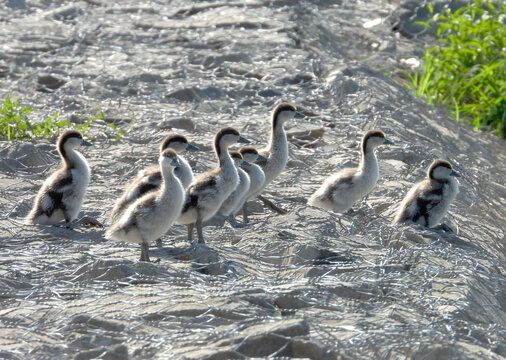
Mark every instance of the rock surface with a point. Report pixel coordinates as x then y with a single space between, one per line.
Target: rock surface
296 285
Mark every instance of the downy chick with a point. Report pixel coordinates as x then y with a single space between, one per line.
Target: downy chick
62 194
209 190
150 216
340 191
428 201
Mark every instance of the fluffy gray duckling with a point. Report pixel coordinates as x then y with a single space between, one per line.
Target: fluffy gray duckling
276 152
230 204
428 201
151 215
256 176
62 194
149 179
208 191
338 192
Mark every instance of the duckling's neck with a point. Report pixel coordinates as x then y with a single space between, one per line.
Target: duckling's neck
224 158
278 139
369 163
170 182
74 159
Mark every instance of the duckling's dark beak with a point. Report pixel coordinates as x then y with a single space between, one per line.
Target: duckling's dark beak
261 158
192 147
243 140
454 173
175 162
299 115
388 142
246 163
86 143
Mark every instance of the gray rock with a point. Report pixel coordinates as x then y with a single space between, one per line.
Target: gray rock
49 83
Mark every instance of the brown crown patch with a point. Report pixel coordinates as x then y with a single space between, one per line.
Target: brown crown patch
169 153
278 109
248 150
235 155
170 139
438 163
220 134
371 134
64 137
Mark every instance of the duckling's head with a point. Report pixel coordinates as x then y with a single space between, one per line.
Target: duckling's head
226 137
168 159
250 154
373 139
178 143
441 170
284 112
237 157
70 140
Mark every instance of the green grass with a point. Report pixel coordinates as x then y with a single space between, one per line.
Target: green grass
15 124
466 68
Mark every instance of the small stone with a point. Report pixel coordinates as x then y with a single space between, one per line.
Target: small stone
49 83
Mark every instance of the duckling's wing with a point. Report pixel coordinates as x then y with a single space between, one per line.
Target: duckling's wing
203 186
430 197
60 181
421 199
144 206
149 171
343 180
140 186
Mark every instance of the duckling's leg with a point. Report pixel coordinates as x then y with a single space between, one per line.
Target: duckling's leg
340 223
271 205
245 212
190 231
199 229
145 252
69 224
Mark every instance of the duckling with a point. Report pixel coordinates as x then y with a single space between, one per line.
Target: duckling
209 190
149 179
428 201
276 152
340 191
62 194
230 204
151 215
256 176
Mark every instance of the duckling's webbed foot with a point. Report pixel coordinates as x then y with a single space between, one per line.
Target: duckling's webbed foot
236 224
444 227
89 221
231 220
358 212
271 205
69 224
144 252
